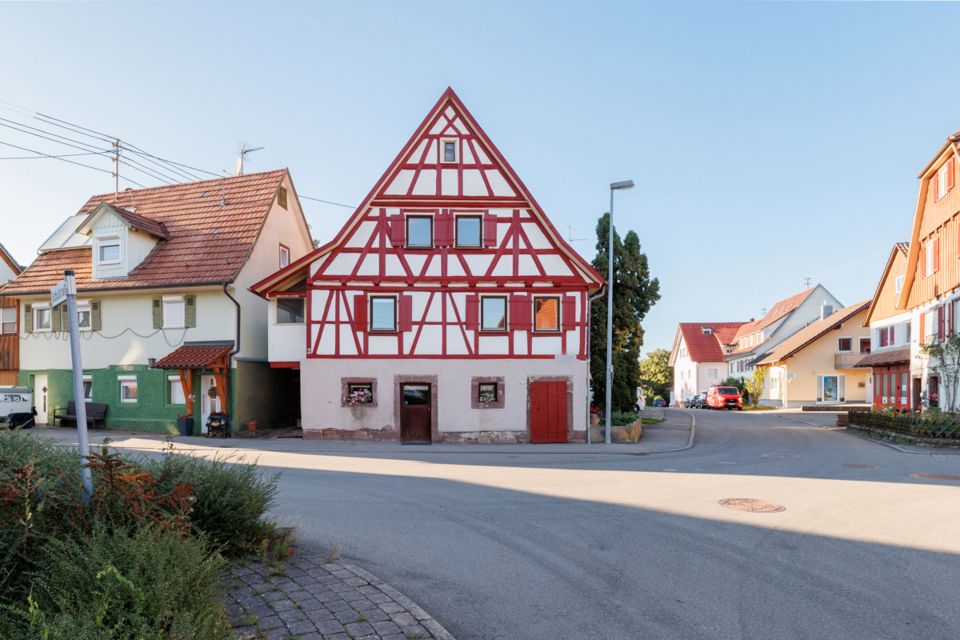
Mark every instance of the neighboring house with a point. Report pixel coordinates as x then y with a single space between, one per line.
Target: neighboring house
755 339
933 272
167 324
698 355
448 307
9 322
889 355
818 363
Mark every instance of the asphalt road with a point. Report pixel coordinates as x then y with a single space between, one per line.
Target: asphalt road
595 546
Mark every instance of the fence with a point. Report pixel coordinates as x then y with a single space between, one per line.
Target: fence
936 427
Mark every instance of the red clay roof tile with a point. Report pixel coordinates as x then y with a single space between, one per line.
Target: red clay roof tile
704 347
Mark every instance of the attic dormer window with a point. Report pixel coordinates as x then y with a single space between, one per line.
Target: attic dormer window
707 331
448 150
109 251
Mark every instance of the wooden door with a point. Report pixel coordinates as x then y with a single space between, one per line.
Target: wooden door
548 411
415 412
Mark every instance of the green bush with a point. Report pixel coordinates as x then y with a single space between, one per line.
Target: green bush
231 499
152 584
622 418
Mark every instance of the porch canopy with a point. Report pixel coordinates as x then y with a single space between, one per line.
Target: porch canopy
883 358
213 355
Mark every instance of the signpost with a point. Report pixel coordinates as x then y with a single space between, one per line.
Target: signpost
66 291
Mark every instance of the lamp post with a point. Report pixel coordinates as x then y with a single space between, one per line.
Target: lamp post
614 186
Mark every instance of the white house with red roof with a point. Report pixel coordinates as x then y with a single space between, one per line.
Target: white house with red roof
447 308
697 357
167 321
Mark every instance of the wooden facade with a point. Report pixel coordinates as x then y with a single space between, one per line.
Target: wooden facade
10 346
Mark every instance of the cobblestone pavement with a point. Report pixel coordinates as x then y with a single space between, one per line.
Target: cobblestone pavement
304 598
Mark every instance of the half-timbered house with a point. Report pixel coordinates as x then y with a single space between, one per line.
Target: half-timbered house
447 308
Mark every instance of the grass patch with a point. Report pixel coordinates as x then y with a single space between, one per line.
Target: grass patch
646 420
759 407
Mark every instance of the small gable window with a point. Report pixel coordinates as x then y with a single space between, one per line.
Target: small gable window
945 178
109 252
282 197
898 284
419 231
468 231
448 151
284 256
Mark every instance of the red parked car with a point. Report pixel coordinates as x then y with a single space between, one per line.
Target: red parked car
724 398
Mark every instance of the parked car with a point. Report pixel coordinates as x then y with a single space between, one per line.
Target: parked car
659 402
724 398
699 401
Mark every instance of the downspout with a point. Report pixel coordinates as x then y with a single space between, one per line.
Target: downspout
236 346
590 300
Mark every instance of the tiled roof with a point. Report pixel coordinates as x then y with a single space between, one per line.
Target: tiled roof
904 247
707 347
779 310
212 226
195 355
142 223
811 332
887 356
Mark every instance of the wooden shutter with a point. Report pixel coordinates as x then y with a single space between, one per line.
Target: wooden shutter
157 313
949 174
520 312
28 318
443 232
489 229
568 313
189 311
57 319
405 304
473 312
936 254
360 312
941 322
95 315
397 230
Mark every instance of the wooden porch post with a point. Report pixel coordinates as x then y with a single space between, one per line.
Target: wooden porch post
186 382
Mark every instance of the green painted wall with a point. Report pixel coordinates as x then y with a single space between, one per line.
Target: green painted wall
152 412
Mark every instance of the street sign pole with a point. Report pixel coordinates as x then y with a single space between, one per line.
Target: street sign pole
66 291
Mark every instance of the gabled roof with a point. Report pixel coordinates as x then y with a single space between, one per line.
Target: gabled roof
382 190
812 332
6 257
899 248
136 222
707 347
777 311
211 226
196 355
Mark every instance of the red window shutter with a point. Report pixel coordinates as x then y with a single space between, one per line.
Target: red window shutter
443 233
520 312
936 254
489 230
405 304
473 312
360 312
940 323
397 230
568 313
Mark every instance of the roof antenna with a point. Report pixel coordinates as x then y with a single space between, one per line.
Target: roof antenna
806 283
241 158
763 312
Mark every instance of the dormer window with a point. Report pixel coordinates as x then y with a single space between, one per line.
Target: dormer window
448 151
109 251
945 178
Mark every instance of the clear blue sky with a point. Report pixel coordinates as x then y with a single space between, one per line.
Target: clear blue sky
769 141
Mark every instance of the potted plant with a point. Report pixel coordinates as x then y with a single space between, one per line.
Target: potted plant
357 401
185 424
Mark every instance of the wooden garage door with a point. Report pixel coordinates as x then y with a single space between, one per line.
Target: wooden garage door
548 411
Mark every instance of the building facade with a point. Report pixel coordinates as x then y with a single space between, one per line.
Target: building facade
9 322
448 307
698 355
167 324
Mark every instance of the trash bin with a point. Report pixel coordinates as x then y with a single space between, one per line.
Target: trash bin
218 425
185 425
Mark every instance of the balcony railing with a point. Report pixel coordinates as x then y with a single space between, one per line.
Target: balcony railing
847 359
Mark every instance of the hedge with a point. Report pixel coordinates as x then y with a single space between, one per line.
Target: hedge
934 426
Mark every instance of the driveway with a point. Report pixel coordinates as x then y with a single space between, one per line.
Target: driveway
516 543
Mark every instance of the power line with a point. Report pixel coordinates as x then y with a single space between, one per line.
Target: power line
18 127
338 204
79 164
57 157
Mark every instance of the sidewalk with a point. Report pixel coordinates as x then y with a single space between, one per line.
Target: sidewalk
675 433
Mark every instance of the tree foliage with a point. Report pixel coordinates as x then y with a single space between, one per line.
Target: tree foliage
634 293
655 373
945 361
754 384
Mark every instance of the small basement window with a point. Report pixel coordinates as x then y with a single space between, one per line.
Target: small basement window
290 310
359 393
128 389
468 231
448 151
487 392
420 231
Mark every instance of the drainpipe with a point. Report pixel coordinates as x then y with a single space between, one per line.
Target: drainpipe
236 346
590 300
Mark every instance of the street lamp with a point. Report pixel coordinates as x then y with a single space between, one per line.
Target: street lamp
614 186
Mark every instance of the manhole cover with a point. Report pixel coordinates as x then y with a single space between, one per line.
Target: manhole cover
752 505
860 466
936 476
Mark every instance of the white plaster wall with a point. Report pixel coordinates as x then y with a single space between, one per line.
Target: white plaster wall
321 387
127 335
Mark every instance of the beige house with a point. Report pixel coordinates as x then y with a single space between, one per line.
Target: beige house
817 365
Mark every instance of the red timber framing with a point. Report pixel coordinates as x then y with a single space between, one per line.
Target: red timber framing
517 255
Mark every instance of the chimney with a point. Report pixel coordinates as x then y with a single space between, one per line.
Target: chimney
825 310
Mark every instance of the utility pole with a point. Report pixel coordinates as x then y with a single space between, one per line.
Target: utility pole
608 399
116 171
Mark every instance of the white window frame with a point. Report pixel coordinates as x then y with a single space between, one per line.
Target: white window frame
172 300
174 384
284 256
839 338
109 241
88 397
928 258
84 305
898 284
942 189
124 382
506 314
12 311
37 308
456 151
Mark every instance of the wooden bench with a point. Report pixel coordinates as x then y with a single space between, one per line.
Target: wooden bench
96 412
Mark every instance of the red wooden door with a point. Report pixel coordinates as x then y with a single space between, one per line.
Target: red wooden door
548 411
